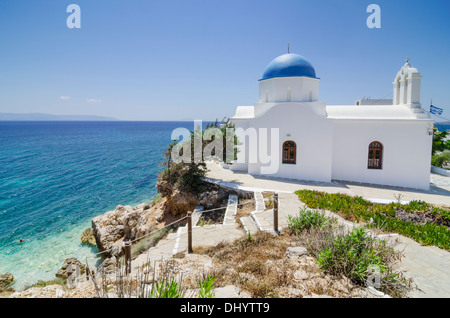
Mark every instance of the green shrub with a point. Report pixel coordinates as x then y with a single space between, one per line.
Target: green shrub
167 289
306 220
441 160
351 255
206 286
354 255
383 216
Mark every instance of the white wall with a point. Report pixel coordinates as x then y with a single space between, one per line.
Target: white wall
406 152
311 132
302 89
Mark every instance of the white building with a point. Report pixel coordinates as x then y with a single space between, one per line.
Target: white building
310 140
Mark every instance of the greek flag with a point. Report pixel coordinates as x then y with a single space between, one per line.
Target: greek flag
436 110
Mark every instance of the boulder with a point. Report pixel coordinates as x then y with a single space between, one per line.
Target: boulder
108 266
230 291
178 200
109 227
87 237
62 272
6 280
298 251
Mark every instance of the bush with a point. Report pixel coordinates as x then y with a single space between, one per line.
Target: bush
167 289
354 255
206 287
306 220
441 160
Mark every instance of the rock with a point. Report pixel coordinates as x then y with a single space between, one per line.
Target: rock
51 291
6 280
295 292
318 296
62 272
108 227
178 200
214 198
301 275
298 251
230 291
108 266
112 227
87 237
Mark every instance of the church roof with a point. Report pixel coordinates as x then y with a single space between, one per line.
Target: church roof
289 65
373 112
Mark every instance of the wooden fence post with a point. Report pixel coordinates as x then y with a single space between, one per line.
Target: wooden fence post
190 232
275 213
87 271
127 248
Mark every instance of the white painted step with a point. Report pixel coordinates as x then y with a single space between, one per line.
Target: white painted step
249 225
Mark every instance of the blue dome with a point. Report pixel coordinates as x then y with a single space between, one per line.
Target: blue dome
289 65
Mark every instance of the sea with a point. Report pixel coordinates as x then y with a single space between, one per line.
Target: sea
443 126
56 176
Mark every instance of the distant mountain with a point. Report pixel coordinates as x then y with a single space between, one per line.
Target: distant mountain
49 117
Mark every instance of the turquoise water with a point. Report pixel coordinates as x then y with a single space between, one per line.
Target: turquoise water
56 176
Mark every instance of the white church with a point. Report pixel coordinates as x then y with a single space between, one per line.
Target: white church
387 143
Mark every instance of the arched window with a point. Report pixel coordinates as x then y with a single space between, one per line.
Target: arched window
290 152
375 155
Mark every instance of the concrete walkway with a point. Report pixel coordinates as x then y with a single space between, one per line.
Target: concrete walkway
439 192
428 266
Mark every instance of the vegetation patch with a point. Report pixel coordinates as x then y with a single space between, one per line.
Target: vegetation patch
44 283
246 263
355 255
389 218
306 220
441 149
268 199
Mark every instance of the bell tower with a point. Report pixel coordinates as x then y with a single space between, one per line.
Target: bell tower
407 86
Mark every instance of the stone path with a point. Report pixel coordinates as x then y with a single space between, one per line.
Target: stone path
428 266
231 210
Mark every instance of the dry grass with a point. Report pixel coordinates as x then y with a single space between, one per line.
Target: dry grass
247 263
267 194
268 199
259 266
245 207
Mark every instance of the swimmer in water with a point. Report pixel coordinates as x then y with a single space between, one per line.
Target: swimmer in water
21 240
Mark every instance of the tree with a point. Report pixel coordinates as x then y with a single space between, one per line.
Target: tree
440 143
190 173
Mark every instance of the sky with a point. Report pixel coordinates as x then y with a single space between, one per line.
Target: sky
200 59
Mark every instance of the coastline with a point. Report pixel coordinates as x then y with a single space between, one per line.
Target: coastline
56 248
